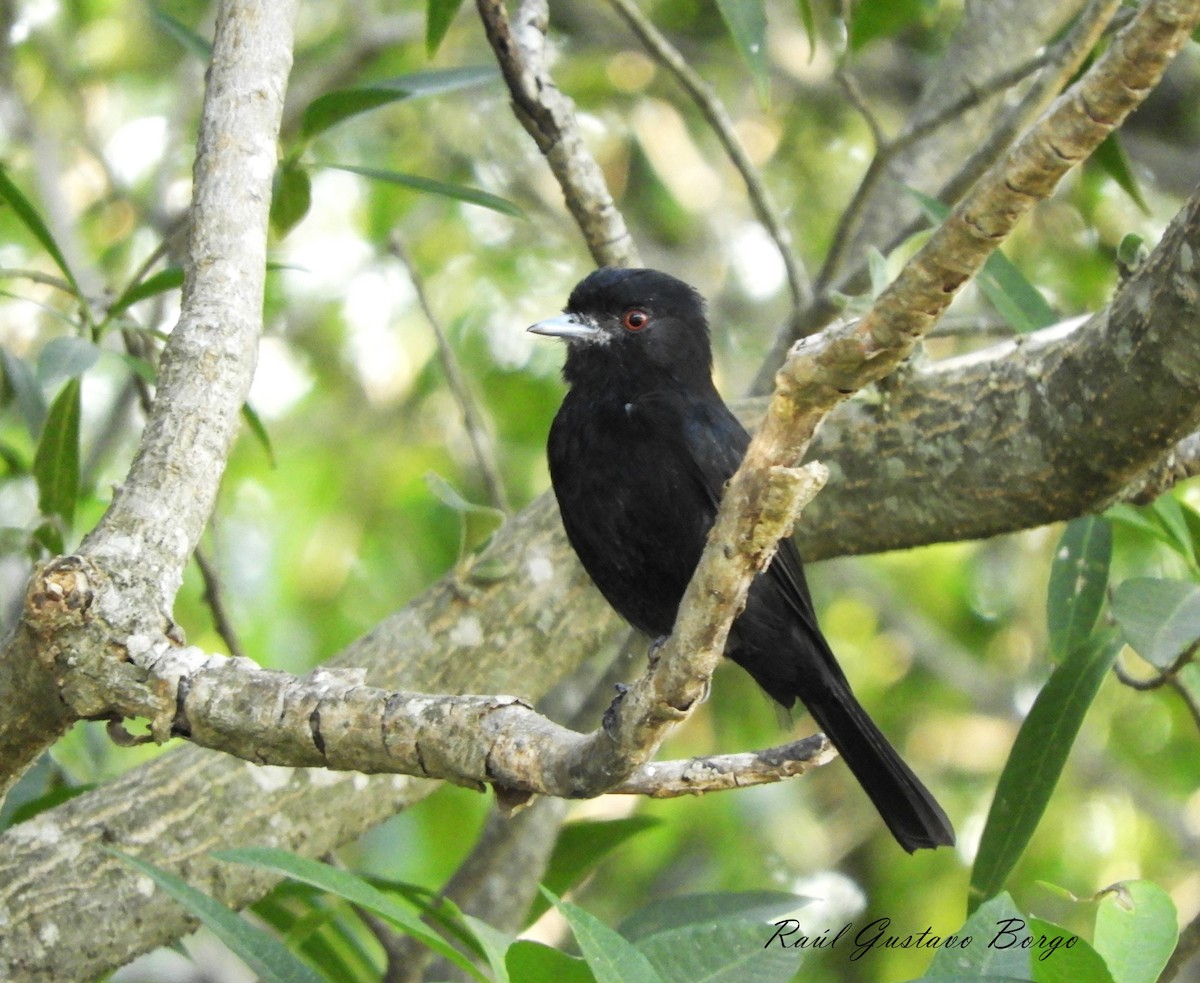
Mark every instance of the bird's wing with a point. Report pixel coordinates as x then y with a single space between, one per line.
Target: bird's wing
716 443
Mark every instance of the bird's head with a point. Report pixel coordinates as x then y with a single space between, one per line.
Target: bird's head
627 324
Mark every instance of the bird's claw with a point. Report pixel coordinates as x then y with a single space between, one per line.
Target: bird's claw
609 720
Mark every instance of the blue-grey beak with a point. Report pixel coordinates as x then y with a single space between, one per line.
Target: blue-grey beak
571 327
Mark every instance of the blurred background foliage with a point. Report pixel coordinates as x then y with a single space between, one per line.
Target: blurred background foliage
332 522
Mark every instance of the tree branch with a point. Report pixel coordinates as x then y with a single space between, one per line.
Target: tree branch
549 117
710 107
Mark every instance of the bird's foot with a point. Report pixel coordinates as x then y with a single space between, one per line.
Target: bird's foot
655 648
609 720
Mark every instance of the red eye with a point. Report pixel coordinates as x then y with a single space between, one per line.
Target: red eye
635 320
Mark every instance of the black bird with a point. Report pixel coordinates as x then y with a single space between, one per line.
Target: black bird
639 455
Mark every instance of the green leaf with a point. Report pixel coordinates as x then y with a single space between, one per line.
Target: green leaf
291 197
729 950
1160 618
1110 157
1132 251
995 928
1036 760
667 914
1139 521
309 924
33 222
527 961
1017 300
64 358
472 196
1078 579
747 23
351 887
25 390
56 463
877 267
810 26
877 19
494 943
182 34
580 847
263 953
169 279
1172 515
439 14
610 957
331 108
1054 962
259 429
1136 931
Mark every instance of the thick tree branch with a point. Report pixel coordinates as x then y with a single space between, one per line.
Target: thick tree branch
147 536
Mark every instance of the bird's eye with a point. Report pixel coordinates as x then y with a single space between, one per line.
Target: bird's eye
635 320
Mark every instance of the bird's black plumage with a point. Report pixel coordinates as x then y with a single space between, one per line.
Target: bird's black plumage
639 455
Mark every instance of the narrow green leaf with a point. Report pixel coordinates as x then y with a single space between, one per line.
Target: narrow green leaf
64 358
472 196
527 961
1136 519
1111 158
169 279
309 925
1017 300
996 929
182 34
610 957
33 222
809 20
1036 760
730 950
1160 618
449 496
1136 931
25 390
1170 513
351 887
877 267
580 847
1054 961
291 197
259 429
56 463
263 953
747 23
667 914
1078 579
439 14
494 943
334 107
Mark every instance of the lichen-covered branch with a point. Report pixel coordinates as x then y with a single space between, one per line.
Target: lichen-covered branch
144 541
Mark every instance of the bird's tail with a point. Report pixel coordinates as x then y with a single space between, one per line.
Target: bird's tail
906 806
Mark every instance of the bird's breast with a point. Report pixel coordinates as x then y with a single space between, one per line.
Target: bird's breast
629 504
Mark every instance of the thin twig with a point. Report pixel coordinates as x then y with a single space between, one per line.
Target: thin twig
214 596
711 108
477 432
